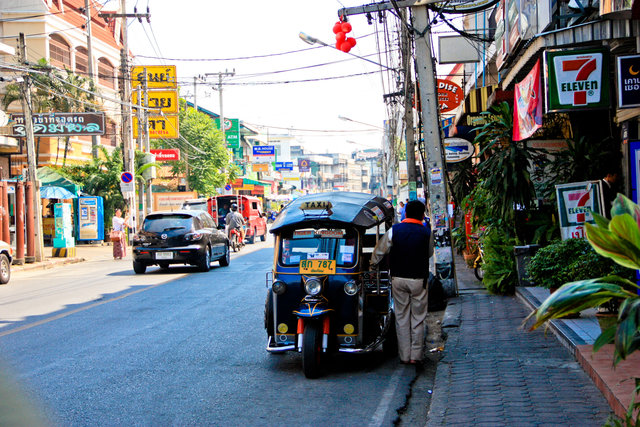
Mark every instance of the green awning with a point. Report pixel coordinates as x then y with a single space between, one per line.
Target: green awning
49 176
249 181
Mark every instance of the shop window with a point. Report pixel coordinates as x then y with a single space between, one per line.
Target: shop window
59 52
106 76
82 61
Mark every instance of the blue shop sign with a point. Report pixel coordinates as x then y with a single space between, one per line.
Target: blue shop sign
264 150
284 166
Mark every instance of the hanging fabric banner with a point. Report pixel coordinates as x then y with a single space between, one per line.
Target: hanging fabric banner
527 106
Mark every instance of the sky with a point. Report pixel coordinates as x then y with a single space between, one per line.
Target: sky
205 29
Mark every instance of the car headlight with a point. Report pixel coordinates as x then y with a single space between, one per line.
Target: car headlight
351 288
313 287
139 238
279 287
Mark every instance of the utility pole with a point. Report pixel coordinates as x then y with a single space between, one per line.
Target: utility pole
31 155
127 137
437 203
146 143
408 109
432 133
221 75
87 11
195 92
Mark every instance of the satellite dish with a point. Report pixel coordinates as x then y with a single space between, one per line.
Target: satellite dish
4 119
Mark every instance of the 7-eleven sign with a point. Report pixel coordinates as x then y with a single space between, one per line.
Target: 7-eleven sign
576 79
576 203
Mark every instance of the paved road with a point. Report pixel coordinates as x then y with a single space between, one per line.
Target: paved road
180 348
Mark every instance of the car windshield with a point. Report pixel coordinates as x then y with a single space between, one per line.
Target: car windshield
160 223
195 206
338 245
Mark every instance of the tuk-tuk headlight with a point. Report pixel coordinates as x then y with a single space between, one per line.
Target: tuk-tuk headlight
279 287
313 287
351 288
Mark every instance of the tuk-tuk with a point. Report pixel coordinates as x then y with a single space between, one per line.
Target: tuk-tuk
321 296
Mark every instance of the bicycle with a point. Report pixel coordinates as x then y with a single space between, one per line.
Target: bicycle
478 263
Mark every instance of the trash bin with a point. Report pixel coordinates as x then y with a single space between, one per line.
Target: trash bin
523 257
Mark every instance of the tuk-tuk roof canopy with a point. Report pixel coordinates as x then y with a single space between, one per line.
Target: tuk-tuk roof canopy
357 209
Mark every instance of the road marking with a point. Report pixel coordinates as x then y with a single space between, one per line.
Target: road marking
77 310
385 402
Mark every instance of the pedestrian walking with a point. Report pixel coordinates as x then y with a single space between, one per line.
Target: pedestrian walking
118 236
409 245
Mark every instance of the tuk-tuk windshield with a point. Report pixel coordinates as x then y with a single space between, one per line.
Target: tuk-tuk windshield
338 245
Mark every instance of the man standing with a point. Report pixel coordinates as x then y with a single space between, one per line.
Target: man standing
409 245
609 190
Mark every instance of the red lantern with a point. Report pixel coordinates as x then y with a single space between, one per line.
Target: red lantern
337 27
351 41
346 27
338 45
345 46
340 37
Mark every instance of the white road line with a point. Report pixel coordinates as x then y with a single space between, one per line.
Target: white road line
387 396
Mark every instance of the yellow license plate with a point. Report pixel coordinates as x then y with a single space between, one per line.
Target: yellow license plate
318 266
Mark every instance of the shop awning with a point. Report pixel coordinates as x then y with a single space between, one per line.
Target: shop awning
50 177
249 181
564 37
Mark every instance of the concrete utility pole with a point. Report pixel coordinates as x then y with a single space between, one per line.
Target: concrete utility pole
221 75
437 203
410 139
432 134
31 155
87 11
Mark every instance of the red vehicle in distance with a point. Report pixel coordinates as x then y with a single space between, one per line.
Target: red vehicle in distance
249 207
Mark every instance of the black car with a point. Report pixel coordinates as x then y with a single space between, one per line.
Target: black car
181 237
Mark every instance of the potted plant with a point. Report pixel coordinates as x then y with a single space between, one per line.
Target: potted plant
570 260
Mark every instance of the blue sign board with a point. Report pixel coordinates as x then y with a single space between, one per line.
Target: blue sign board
284 166
264 150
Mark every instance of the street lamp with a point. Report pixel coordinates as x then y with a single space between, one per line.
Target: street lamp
312 40
347 119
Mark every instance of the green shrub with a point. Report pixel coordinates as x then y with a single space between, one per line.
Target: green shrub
570 260
500 275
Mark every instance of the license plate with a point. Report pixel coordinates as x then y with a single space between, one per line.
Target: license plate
318 266
164 255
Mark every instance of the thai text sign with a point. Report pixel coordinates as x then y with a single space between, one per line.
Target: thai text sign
629 81
576 201
60 124
158 76
165 127
450 95
576 79
166 154
260 167
161 100
231 131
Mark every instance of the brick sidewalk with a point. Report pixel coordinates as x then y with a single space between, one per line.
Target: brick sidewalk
495 373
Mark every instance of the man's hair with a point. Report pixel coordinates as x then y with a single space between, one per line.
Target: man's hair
414 209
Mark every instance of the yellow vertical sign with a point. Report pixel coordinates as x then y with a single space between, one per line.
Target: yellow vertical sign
166 127
161 100
158 76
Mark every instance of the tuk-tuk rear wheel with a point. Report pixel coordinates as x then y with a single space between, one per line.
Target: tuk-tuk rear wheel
312 349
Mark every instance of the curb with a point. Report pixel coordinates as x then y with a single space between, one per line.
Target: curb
44 265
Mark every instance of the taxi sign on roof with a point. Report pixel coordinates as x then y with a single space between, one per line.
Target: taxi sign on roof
316 205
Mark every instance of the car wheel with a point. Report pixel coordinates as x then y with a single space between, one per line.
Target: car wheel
224 261
204 262
5 269
164 265
139 268
252 239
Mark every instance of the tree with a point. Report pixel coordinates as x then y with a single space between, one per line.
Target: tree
202 148
101 176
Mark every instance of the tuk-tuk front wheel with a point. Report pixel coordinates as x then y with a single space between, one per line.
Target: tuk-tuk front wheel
312 349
